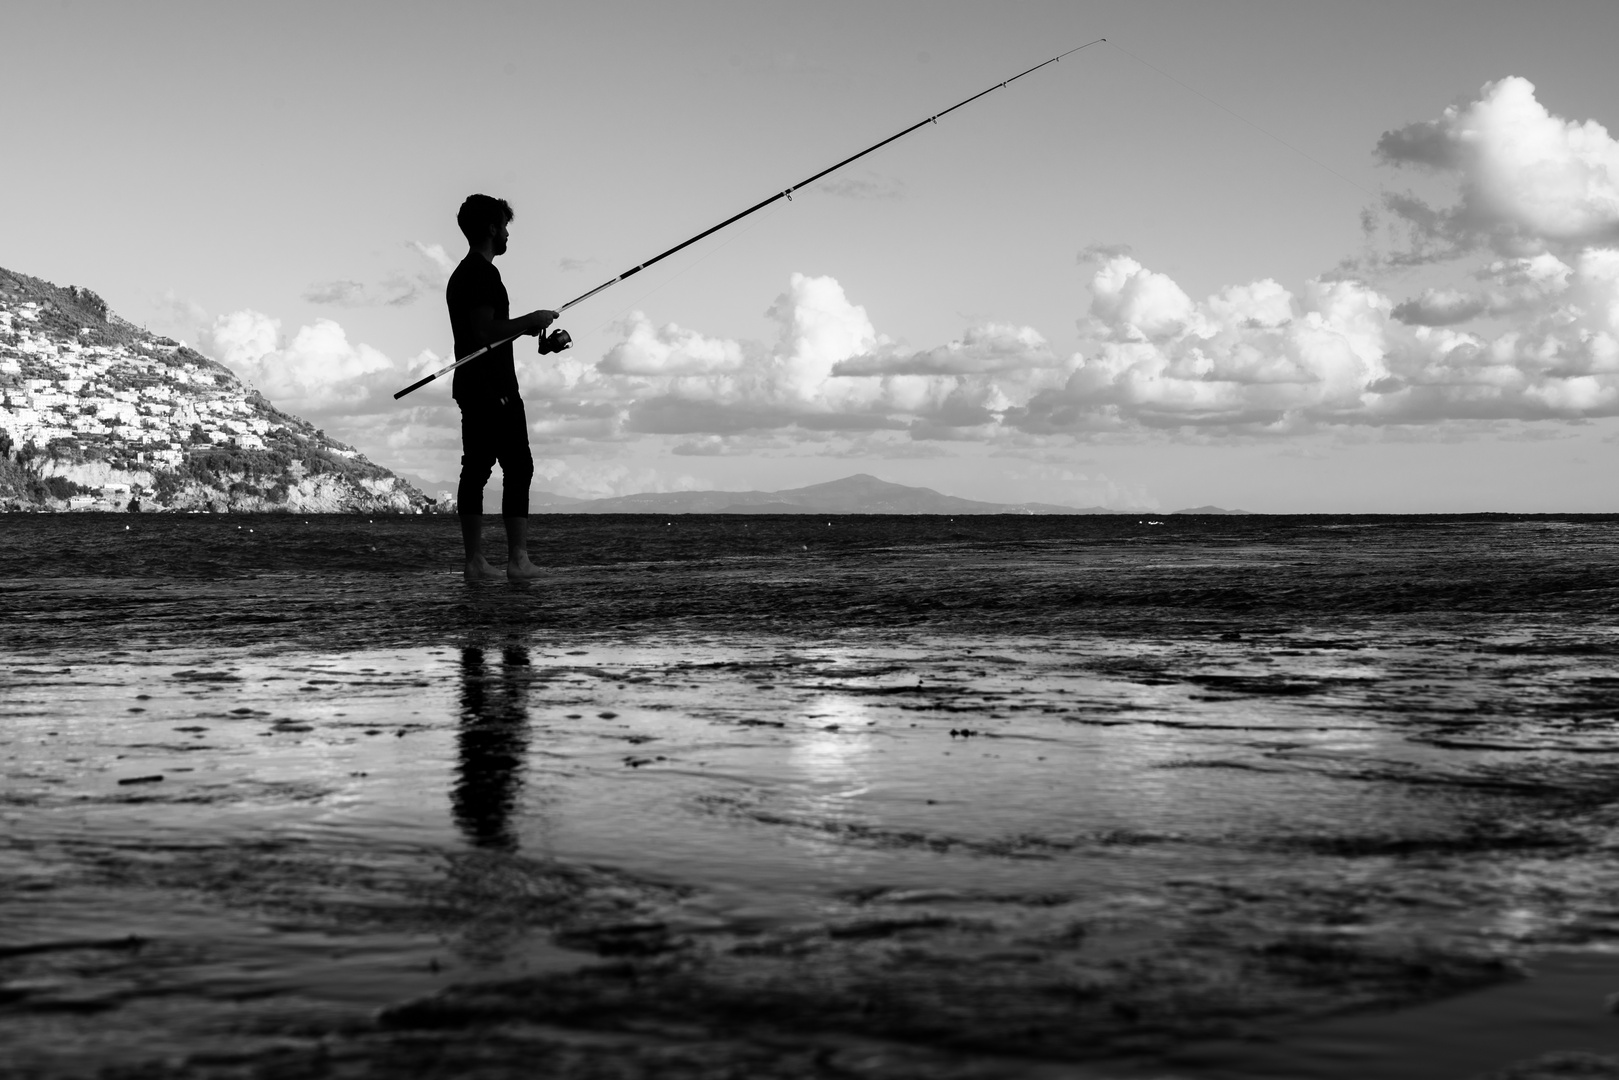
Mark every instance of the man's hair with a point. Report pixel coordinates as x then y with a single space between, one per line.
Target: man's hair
480 212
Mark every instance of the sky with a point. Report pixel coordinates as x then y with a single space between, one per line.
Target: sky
1279 256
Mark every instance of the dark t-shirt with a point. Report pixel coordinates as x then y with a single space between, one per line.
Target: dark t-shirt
476 284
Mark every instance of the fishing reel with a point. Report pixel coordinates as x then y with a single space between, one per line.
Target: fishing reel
554 342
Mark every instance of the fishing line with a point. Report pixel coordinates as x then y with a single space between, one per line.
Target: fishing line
694 264
785 193
1244 119
701 259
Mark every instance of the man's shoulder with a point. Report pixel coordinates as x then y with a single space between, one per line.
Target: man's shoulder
475 275
474 268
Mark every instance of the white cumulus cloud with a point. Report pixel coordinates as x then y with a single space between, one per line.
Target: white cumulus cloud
318 371
669 350
1527 179
1257 358
827 371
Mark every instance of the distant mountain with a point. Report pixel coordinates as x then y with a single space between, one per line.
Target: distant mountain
548 500
1209 510
98 414
858 494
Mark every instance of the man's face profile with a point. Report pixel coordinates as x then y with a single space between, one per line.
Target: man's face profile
499 234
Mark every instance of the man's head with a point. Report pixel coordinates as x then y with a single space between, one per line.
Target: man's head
484 218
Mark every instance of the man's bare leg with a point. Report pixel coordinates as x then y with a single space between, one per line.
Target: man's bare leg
478 567
518 568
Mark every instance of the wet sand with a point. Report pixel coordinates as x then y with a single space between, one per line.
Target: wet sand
623 824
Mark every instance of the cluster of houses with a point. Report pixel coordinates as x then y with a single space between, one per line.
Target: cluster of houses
140 398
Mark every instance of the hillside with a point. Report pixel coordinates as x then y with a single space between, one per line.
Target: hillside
98 414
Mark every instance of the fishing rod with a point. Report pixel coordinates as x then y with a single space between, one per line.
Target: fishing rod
785 193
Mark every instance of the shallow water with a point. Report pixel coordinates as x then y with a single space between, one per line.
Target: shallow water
1224 777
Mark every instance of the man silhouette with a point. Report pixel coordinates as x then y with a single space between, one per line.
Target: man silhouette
493 424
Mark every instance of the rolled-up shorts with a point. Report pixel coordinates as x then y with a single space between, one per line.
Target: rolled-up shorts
495 432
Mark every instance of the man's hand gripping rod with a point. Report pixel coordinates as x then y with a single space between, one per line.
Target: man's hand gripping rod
553 337
786 193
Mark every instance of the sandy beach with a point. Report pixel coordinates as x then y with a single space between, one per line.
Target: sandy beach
271 823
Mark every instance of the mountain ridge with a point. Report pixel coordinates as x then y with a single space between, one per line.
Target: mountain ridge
860 493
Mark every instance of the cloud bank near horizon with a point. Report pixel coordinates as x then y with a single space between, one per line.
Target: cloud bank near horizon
1534 336
1529 334
1250 359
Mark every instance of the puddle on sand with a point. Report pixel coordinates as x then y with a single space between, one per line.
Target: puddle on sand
1125 829
1559 1009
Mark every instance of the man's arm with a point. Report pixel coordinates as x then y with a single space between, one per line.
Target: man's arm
488 330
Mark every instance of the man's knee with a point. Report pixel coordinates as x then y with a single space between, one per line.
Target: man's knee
519 468
475 469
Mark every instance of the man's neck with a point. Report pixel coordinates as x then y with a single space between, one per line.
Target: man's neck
487 250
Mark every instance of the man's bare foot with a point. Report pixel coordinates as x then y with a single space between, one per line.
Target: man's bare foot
521 570
481 569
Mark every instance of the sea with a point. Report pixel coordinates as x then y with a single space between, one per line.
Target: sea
1105 796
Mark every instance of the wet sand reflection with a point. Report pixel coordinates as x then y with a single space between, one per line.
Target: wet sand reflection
491 746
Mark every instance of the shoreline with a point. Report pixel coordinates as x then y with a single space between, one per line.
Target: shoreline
1012 799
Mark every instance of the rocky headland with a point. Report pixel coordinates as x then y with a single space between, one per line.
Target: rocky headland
99 414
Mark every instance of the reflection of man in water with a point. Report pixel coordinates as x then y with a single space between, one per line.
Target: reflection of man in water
493 425
492 744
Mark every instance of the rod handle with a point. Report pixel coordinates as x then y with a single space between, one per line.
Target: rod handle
417 385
